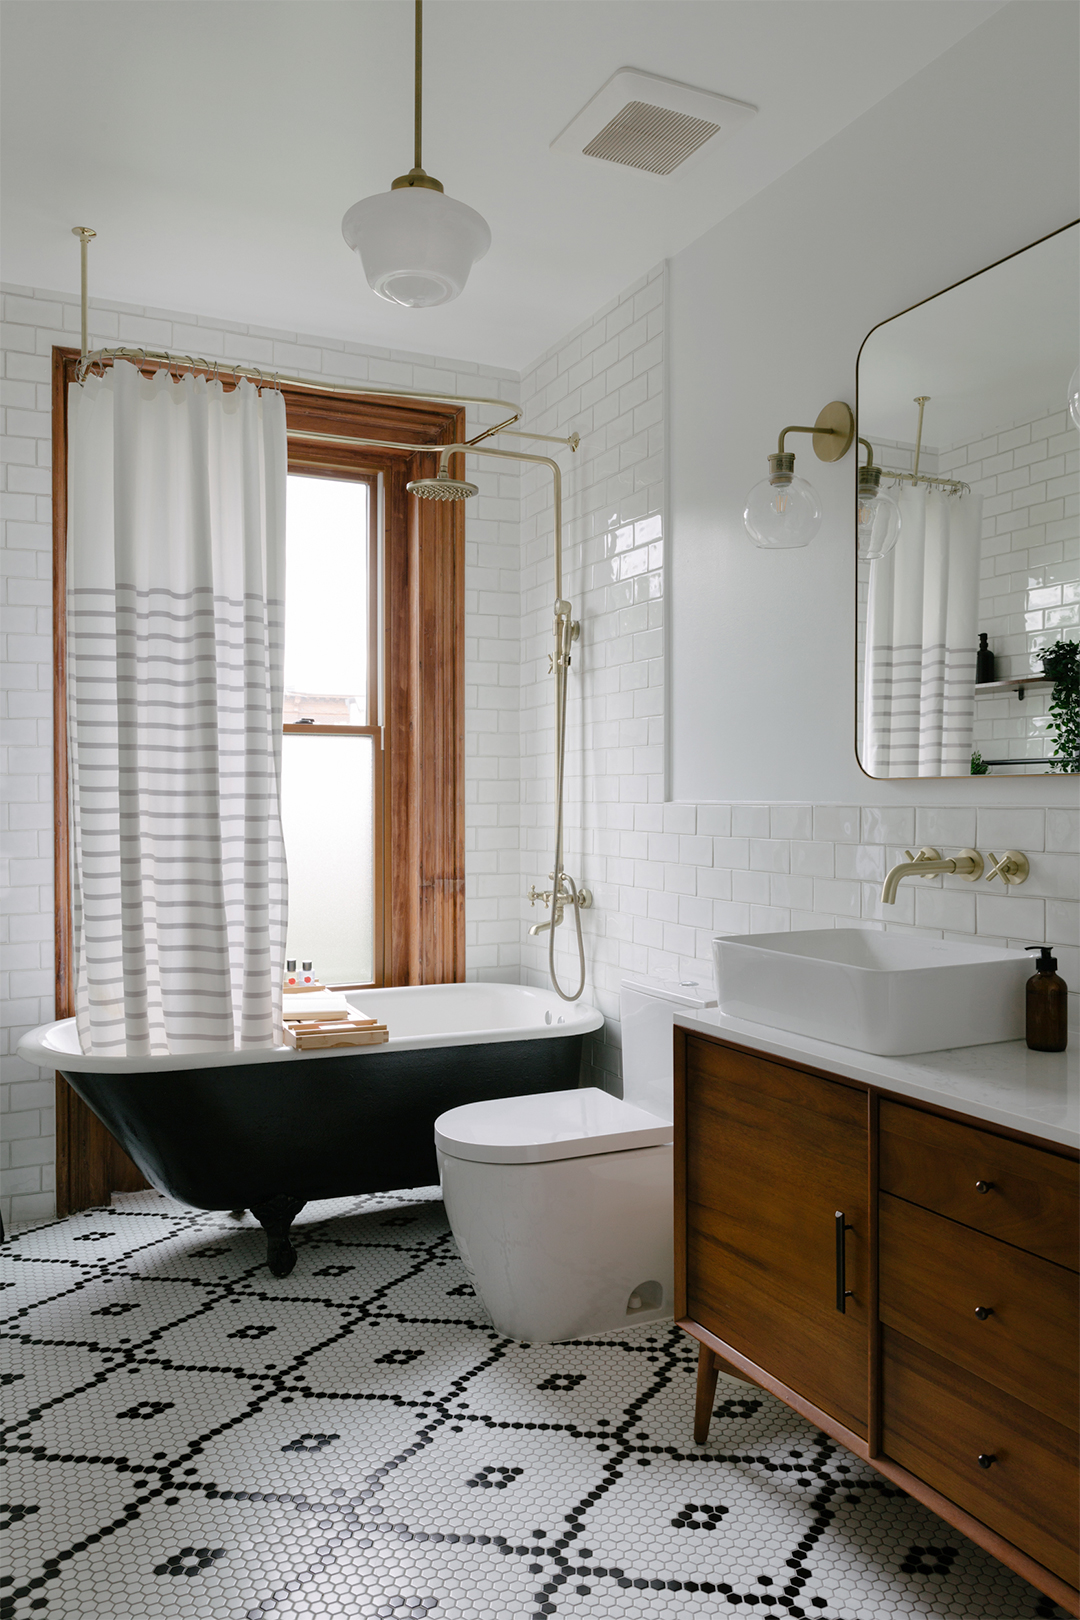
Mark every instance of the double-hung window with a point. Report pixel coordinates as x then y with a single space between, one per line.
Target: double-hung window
331 774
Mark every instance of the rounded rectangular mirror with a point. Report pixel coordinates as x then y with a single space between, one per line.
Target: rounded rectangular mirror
968 526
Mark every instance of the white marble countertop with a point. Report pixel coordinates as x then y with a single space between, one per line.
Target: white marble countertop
1006 1084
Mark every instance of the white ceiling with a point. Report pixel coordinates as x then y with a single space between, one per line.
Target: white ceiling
215 144
994 350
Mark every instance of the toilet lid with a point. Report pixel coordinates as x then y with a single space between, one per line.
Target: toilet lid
547 1125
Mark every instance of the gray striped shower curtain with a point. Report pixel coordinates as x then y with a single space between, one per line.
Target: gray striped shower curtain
918 707
175 616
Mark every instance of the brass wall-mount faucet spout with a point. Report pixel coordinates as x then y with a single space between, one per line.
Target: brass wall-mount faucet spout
968 865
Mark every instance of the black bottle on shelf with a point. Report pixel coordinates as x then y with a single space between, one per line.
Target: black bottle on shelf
984 662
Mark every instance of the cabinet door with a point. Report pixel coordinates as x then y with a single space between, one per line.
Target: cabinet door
772 1155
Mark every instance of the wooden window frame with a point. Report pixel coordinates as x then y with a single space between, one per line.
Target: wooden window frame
423 694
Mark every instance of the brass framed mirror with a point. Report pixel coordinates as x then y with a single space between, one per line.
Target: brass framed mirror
968 525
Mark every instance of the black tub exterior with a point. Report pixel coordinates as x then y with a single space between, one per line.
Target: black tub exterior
270 1136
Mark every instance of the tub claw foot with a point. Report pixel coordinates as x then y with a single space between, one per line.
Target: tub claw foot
275 1217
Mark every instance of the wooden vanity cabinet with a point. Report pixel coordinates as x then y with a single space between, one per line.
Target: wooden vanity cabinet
935 1335
775 1165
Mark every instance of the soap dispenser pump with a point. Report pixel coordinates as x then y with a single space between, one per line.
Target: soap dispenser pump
1047 1004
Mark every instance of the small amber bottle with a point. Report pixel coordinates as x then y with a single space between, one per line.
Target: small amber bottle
1047 1005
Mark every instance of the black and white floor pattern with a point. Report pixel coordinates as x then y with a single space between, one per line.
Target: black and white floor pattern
188 1437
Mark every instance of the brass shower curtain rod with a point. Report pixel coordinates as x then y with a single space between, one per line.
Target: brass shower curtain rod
954 486
275 379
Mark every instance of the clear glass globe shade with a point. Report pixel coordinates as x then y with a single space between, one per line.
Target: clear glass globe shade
779 517
417 246
877 525
1074 397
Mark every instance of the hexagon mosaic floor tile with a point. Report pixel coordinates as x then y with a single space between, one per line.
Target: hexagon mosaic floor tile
187 1436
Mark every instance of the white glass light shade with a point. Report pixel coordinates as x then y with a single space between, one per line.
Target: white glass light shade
417 246
779 517
877 523
1074 397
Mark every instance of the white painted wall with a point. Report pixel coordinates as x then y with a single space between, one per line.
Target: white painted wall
974 157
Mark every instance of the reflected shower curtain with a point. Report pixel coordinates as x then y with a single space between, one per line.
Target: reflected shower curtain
175 622
921 634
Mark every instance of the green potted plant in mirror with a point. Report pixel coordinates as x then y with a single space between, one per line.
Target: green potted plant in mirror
1062 663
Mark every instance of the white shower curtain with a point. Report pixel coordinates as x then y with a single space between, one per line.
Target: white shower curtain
175 616
921 635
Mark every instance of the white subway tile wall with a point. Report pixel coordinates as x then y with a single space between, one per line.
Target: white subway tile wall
1029 592
33 322
665 877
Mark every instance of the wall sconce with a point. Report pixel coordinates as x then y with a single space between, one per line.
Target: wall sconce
877 513
783 511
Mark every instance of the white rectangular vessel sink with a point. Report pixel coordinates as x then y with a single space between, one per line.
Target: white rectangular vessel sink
886 993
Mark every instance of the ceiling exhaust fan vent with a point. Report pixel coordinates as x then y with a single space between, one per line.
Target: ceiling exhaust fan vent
654 125
648 137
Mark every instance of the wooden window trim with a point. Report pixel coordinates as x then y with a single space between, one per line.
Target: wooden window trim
423 911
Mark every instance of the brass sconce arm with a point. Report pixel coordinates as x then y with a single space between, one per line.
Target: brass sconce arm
833 432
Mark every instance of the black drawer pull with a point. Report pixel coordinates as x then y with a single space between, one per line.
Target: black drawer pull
843 1293
985 1460
983 1311
983 1186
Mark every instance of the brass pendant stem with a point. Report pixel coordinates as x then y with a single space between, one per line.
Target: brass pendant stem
418 86
416 175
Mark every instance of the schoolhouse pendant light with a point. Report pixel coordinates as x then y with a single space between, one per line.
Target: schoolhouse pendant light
417 245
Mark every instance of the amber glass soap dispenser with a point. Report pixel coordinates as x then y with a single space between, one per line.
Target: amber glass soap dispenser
1047 1005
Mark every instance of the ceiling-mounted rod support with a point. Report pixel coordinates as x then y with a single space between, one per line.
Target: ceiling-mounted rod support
952 486
572 441
921 402
86 236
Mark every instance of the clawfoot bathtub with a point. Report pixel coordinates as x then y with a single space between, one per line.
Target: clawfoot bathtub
269 1130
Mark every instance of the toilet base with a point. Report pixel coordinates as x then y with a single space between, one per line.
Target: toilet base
557 1250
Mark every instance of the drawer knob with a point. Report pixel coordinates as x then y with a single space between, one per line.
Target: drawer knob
983 1186
985 1459
983 1311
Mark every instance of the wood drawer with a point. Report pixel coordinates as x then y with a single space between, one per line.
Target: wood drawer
937 1420
1032 1197
933 1275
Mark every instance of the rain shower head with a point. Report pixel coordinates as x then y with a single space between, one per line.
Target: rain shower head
441 488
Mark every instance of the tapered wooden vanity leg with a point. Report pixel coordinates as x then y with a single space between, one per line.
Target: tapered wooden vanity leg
708 1369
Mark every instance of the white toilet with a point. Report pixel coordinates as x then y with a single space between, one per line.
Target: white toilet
561 1202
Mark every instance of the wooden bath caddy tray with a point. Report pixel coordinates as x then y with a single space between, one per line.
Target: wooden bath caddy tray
309 1034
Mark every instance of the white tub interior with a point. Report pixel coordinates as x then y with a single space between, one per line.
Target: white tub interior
422 1015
